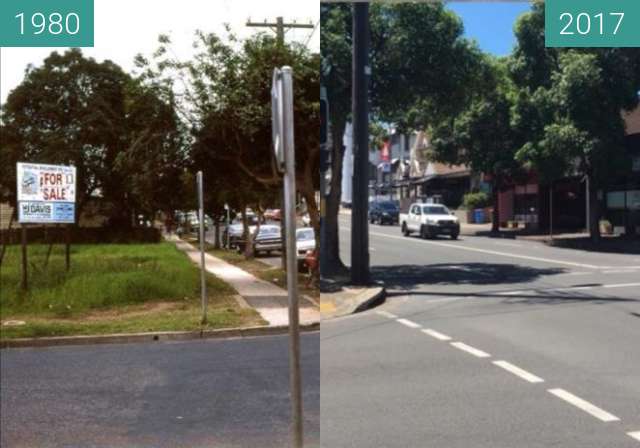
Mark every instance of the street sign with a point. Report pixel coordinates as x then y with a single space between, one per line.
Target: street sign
283 140
46 193
277 118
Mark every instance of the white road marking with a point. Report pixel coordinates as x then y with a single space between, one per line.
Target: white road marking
387 314
408 323
436 334
621 285
498 243
519 372
491 252
587 407
569 288
634 435
620 271
467 348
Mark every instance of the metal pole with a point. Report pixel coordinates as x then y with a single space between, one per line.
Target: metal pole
360 110
292 268
203 281
588 195
228 224
551 209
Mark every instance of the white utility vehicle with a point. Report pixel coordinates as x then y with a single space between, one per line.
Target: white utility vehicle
429 220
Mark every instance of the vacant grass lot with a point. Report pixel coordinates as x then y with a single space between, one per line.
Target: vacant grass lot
111 288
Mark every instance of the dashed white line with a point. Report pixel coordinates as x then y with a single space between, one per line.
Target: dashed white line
519 372
387 314
408 323
587 407
621 285
569 288
634 435
467 348
436 334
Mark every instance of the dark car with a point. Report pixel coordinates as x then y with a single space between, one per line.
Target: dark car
383 212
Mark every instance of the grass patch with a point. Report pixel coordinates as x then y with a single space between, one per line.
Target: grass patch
111 289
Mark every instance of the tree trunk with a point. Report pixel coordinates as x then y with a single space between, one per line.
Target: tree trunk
308 192
6 235
495 218
331 258
594 219
217 233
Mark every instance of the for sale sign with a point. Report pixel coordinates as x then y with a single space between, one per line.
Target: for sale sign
46 193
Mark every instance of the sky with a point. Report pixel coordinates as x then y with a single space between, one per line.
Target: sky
124 28
490 23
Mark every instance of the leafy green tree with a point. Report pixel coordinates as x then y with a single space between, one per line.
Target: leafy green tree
422 71
123 137
570 104
225 97
483 136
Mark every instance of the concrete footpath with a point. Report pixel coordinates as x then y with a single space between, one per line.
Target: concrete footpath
270 301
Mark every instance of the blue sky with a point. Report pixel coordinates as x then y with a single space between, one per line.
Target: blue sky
490 23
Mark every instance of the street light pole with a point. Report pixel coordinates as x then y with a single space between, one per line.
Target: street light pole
360 110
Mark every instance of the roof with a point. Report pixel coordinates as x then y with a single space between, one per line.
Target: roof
445 170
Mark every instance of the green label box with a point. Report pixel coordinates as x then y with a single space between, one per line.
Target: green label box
592 23
46 23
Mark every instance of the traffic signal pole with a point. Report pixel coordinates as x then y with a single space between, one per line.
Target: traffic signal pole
360 110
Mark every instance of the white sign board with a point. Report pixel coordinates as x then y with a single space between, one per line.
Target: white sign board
46 193
277 119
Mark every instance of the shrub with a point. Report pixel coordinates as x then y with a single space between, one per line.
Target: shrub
472 201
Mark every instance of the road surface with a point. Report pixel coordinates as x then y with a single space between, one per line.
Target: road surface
212 393
486 343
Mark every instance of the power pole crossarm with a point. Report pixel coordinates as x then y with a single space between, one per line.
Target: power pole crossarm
280 27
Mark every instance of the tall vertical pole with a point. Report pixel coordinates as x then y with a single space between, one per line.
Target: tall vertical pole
360 111
551 210
203 280
292 268
588 199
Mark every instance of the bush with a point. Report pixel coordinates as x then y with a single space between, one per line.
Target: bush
472 201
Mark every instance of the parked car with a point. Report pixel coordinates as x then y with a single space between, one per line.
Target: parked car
235 234
384 212
305 242
268 238
273 214
429 220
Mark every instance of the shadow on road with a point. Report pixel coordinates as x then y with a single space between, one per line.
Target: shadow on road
406 276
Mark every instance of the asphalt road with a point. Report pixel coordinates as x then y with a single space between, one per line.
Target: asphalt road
214 393
486 343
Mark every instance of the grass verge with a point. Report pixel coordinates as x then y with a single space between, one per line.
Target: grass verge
112 289
264 271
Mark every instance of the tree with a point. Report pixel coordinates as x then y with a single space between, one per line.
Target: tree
422 71
571 102
483 136
226 100
122 136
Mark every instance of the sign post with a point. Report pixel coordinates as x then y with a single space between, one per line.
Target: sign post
46 195
283 142
203 280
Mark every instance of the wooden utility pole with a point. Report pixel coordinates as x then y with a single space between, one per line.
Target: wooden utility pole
280 27
360 110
